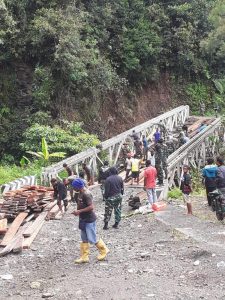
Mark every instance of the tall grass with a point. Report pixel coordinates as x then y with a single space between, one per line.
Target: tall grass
11 172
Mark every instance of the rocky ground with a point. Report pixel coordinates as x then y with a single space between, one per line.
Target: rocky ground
147 260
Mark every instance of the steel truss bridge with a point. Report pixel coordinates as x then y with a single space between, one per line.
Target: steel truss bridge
112 147
195 152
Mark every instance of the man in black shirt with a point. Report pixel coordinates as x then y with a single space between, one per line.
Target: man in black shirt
220 175
114 189
87 223
89 173
68 170
60 193
103 174
70 173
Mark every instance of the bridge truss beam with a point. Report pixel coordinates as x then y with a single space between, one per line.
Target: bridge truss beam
112 147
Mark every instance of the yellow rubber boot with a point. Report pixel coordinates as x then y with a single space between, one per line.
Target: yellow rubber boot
84 253
103 250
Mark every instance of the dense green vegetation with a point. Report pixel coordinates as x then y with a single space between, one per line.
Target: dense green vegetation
62 60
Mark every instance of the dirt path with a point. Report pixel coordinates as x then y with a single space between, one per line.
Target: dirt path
145 262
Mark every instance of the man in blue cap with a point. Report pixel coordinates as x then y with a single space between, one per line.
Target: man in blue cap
87 223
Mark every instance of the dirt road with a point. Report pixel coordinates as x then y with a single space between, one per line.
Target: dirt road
146 261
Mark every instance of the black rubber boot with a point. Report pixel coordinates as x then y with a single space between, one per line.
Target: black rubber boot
106 226
115 225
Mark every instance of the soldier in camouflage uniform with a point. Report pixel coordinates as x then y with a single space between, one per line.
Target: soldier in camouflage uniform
114 189
159 160
165 155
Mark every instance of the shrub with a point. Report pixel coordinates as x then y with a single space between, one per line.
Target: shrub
11 172
71 140
175 193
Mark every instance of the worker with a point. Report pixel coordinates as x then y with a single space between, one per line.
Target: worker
220 175
68 169
81 176
186 188
183 139
89 173
209 173
138 148
60 193
185 129
135 168
68 183
150 175
114 190
135 135
165 155
125 150
87 223
157 135
128 164
202 126
159 160
69 173
103 174
145 147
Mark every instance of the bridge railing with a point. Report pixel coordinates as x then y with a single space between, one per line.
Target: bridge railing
113 146
18 183
193 153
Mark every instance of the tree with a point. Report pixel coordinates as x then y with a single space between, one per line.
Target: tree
44 154
214 45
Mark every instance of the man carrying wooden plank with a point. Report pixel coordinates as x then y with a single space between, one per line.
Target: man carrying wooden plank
60 193
87 223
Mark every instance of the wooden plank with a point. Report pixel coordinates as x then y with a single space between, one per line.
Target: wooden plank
54 211
28 219
18 244
3 226
54 208
13 242
13 229
30 230
50 206
28 241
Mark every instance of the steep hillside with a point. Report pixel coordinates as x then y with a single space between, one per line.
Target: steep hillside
109 64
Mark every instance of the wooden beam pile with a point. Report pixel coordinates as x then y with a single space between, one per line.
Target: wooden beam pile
22 231
27 199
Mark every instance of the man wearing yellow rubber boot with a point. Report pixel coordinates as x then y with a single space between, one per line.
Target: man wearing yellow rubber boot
87 223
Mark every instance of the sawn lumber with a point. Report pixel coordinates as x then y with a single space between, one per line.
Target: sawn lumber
28 219
14 242
18 245
28 241
3 226
31 229
13 229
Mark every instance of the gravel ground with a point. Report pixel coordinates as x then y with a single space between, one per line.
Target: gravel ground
146 261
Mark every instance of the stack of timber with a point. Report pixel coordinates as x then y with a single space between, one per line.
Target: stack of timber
27 199
27 209
22 231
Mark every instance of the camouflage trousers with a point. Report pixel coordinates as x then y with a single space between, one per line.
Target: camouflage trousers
159 168
102 187
164 166
111 203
